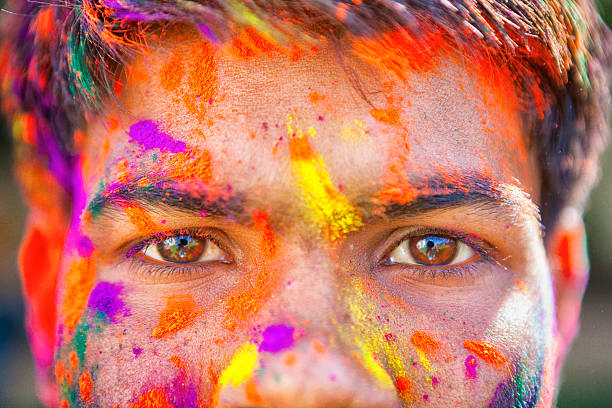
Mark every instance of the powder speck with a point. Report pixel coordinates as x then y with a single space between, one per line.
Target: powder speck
147 134
424 342
241 368
179 313
485 351
277 338
85 386
136 351
154 398
404 387
470 367
105 299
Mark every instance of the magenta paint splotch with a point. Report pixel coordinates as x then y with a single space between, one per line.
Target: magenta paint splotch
277 338
148 135
105 299
470 367
84 246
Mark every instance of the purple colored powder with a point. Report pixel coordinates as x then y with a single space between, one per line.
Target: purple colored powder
84 246
277 338
105 299
147 134
136 351
470 367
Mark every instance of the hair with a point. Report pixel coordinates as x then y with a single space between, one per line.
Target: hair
60 60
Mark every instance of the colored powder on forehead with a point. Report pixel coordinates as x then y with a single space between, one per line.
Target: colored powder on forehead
140 219
404 387
470 367
180 312
105 299
78 284
485 351
277 338
85 386
241 367
202 81
424 342
154 398
147 134
172 73
192 164
329 209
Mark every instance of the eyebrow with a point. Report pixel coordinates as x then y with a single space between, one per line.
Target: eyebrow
167 193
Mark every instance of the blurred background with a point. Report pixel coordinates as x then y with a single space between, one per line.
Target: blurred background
587 379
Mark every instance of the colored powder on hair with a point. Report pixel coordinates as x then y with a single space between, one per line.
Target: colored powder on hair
470 367
404 387
241 367
424 342
78 284
330 210
277 338
172 73
154 398
485 351
180 312
105 299
147 134
140 219
85 386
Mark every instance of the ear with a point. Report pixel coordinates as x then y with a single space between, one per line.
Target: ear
567 252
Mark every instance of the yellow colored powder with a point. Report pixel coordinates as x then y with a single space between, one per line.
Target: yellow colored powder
374 366
241 368
423 359
330 210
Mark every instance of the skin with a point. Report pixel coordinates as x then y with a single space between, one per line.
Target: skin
364 333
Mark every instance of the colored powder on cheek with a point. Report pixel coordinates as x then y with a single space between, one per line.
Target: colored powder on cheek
178 314
268 241
154 398
105 299
85 386
330 210
251 393
59 372
84 246
470 367
241 368
485 351
404 387
277 338
374 367
424 342
388 116
136 351
140 219
147 134
79 282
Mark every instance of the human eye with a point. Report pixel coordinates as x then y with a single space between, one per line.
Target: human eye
433 250
180 254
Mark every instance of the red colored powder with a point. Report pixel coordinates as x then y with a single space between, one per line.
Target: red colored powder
78 284
140 219
154 398
85 386
485 351
424 342
44 22
251 393
268 240
179 313
172 73
565 256
404 387
64 404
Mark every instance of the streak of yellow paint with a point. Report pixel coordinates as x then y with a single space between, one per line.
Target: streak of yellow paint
423 359
241 368
330 210
374 366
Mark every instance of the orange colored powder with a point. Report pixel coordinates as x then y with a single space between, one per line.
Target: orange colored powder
388 116
59 372
140 219
85 386
404 387
251 393
74 360
180 312
424 342
44 22
78 284
154 398
203 80
485 351
172 73
64 404
192 164
247 298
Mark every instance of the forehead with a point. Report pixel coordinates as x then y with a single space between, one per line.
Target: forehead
371 129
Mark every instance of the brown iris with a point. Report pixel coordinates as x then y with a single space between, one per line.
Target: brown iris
435 250
181 248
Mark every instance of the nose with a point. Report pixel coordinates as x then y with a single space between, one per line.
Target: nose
307 375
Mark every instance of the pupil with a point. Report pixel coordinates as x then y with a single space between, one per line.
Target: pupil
183 242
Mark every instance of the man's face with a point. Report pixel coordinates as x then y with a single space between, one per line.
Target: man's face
285 230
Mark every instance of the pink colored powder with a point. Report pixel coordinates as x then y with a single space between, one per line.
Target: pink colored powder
148 135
